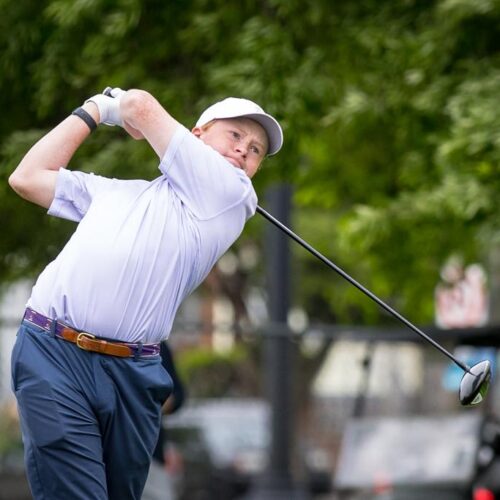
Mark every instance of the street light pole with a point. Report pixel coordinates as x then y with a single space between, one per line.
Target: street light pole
276 482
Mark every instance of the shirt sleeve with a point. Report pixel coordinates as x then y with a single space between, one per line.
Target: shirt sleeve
74 193
204 180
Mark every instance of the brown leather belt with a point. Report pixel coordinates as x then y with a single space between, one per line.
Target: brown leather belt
89 342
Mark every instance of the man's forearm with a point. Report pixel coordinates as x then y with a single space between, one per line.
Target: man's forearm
35 177
57 147
145 115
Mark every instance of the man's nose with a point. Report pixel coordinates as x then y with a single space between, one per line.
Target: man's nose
242 149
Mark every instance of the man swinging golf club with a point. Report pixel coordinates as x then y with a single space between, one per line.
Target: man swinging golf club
86 368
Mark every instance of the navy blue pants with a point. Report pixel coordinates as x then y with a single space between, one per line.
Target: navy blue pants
89 421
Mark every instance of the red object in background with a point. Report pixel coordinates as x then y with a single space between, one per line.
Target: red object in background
483 494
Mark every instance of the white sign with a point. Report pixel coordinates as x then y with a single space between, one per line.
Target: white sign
461 299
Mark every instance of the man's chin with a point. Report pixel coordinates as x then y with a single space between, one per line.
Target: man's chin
234 163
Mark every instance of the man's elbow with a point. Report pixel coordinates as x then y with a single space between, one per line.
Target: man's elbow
18 183
136 106
25 185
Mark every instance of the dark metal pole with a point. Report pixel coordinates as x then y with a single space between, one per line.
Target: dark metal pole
276 483
277 350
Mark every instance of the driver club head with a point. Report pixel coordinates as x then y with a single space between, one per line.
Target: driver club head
474 384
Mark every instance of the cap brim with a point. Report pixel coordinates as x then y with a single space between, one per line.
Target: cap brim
272 128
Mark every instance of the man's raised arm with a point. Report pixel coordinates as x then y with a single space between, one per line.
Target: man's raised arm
137 111
35 177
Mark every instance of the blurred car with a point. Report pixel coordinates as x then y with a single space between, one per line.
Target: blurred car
445 457
225 444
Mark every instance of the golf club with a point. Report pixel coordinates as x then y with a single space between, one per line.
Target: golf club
475 382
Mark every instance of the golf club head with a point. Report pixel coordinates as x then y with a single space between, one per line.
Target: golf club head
474 384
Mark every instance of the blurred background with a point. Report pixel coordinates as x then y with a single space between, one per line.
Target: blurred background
298 386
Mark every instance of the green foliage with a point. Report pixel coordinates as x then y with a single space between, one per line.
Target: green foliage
389 110
407 160
210 374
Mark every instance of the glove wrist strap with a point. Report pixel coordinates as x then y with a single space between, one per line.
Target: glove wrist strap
81 113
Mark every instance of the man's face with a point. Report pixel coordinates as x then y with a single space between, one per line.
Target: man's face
242 141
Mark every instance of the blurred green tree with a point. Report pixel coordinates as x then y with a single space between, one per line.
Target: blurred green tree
389 111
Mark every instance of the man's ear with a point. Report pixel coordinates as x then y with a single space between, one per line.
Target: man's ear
196 131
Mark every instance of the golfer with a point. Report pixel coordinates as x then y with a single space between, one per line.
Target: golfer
86 368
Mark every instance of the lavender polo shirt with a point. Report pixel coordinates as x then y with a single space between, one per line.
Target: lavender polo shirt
141 247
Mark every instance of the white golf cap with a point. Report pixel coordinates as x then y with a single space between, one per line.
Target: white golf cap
235 107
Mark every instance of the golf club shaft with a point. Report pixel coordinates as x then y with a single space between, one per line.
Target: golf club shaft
329 263
360 287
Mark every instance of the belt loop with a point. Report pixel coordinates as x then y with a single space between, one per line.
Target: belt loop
138 351
53 327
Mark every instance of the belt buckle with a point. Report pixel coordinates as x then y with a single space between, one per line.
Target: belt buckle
83 335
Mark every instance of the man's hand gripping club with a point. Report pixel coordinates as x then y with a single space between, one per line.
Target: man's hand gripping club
108 104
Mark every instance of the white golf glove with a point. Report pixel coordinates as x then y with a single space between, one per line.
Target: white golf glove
109 106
